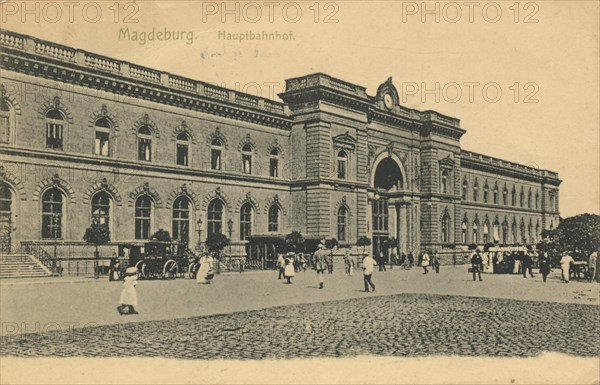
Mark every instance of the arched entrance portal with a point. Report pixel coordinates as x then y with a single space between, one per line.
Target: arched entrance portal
6 212
388 183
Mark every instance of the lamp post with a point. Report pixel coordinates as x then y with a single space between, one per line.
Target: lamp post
54 232
230 231
95 223
199 223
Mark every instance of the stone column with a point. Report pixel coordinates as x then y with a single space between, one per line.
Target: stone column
403 212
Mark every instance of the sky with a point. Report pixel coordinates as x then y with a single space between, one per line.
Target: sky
523 77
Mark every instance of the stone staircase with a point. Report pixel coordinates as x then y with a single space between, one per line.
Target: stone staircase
21 266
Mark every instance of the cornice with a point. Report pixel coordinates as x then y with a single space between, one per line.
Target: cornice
71 73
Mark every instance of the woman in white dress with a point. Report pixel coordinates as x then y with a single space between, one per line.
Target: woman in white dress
289 270
128 297
205 272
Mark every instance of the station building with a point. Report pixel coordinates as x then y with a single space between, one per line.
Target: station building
85 137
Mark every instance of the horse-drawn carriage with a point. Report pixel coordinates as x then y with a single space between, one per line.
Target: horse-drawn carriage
163 260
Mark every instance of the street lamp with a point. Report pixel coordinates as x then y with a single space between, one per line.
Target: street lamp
199 223
55 217
95 223
230 231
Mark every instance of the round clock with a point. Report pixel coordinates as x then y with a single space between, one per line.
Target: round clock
388 101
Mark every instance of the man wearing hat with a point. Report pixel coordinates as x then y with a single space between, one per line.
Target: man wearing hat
128 295
320 261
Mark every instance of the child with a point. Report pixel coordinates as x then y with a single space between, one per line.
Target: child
128 295
289 270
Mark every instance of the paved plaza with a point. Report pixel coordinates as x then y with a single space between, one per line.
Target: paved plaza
256 316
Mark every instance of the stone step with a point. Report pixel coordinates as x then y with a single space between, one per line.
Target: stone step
21 266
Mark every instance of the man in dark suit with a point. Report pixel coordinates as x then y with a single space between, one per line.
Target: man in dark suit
477 264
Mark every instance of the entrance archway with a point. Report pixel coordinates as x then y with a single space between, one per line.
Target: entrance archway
6 213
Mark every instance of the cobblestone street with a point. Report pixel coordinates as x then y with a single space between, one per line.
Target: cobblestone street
399 325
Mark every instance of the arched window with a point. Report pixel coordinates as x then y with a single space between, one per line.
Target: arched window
246 221
247 159
513 196
342 221
274 163
446 228
52 214
476 191
145 144
522 198
183 149
505 232
486 193
513 232
342 165
523 233
551 205
215 154
529 199
215 217
537 230
55 123
4 122
143 217
537 200
530 233
463 231
274 213
496 231
495 194
181 219
444 181
102 142
486 231
101 208
465 187
505 196
475 232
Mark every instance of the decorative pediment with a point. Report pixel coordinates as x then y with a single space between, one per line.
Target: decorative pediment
447 163
345 141
392 99
342 203
55 104
4 95
145 189
103 113
274 200
183 127
274 146
183 190
54 181
247 198
217 194
14 181
145 121
247 140
102 185
217 134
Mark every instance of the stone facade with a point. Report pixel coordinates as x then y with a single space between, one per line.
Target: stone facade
335 161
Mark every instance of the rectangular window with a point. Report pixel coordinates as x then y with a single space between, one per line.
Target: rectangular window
182 154
101 145
145 149
274 168
247 164
54 136
341 169
215 159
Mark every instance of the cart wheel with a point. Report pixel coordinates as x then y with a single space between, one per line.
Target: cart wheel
141 268
170 269
192 270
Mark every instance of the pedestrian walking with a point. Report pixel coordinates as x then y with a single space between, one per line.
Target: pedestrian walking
368 265
544 265
592 270
435 262
330 262
290 269
347 264
114 269
565 265
476 264
411 259
526 264
281 266
320 261
205 273
381 262
128 297
425 262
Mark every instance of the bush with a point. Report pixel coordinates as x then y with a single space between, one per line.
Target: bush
216 242
294 242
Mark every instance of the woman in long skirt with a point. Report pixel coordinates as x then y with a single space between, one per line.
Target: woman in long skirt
128 295
205 272
289 270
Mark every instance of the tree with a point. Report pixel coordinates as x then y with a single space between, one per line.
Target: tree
363 241
97 235
294 242
216 242
578 235
331 243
